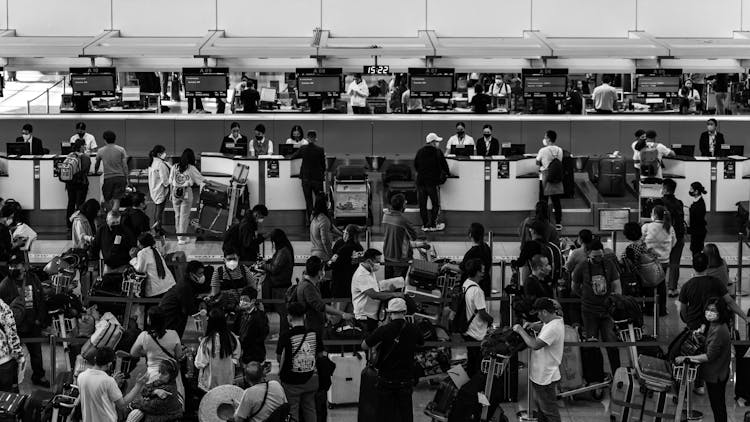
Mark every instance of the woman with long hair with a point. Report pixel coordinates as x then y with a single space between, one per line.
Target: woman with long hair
218 352
541 213
321 230
182 179
279 274
149 261
714 363
659 236
158 183
84 226
717 267
297 136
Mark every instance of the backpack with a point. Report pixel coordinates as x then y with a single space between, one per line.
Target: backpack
650 270
70 168
650 162
555 170
555 258
460 323
293 294
599 283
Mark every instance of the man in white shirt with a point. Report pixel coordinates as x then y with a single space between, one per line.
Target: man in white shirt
649 143
546 355
88 139
605 96
548 190
99 392
500 92
460 139
413 105
366 293
358 93
262 398
477 316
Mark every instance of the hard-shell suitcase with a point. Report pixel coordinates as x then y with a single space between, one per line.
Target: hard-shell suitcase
655 367
742 368
212 221
215 194
445 396
569 167
35 405
625 396
571 374
345 382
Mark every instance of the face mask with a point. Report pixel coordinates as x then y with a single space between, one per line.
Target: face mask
460 132
375 267
232 264
26 138
712 316
16 273
487 135
711 128
259 138
113 225
163 156
544 142
260 220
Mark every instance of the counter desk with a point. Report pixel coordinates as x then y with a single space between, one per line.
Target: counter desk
727 180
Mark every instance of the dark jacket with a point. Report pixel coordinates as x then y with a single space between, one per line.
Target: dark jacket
703 143
250 99
27 319
397 237
136 220
227 140
243 238
177 304
104 242
677 212
36 145
482 148
279 269
698 217
313 162
430 165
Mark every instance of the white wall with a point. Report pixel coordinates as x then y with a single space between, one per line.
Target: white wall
489 18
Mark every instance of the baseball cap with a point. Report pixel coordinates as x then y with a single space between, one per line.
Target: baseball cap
544 304
396 305
432 137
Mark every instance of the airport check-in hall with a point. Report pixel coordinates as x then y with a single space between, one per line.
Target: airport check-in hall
339 210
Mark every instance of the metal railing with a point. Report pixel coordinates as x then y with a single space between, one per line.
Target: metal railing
46 94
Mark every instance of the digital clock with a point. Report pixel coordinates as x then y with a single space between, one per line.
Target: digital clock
377 70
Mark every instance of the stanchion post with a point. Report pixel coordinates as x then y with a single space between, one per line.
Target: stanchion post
738 281
53 358
529 417
656 313
491 241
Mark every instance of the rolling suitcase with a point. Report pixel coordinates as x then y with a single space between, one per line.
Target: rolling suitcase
440 406
215 194
212 221
345 382
571 374
593 370
742 369
625 396
569 167
611 176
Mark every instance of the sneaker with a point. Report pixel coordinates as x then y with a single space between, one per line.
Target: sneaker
558 227
427 229
701 391
181 241
439 227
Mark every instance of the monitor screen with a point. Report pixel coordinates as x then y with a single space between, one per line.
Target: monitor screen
511 150
213 85
537 85
286 149
684 150
737 150
268 95
93 84
432 82
131 93
65 148
319 85
662 86
18 148
464 151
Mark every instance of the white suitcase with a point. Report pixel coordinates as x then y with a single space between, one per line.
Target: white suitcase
346 378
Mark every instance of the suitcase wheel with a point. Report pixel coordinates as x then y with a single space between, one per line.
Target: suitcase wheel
597 394
331 405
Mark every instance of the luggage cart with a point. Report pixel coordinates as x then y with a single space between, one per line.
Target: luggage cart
350 196
649 192
221 205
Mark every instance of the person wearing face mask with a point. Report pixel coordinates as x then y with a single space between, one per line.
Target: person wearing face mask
460 139
711 140
114 242
547 190
234 140
230 279
594 280
183 177
480 102
244 236
715 362
78 186
260 145
252 326
22 291
312 171
88 139
366 292
296 137
158 184
479 250
8 245
27 136
690 98
477 317
344 262
697 218
178 303
677 213
638 144
487 145
308 294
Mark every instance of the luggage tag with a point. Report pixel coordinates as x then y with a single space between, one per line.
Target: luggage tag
482 399
118 239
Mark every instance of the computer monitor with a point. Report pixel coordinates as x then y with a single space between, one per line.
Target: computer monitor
683 150
462 151
723 151
236 149
286 149
737 150
511 150
65 148
18 148
131 93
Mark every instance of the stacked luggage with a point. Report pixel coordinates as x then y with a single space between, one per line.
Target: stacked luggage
350 195
220 205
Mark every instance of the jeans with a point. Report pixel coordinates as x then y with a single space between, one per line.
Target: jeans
9 376
473 357
433 193
394 400
76 197
661 290
697 242
545 402
556 205
35 354
182 208
159 214
301 398
308 188
674 264
721 97
715 392
603 328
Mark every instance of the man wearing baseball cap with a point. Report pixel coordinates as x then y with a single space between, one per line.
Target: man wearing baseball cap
432 170
397 342
546 355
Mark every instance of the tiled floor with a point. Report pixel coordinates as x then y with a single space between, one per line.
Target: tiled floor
581 409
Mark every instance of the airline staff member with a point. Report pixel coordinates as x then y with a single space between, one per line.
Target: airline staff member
487 145
27 136
88 139
260 145
234 138
460 139
711 139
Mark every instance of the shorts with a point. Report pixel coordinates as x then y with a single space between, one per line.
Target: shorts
114 188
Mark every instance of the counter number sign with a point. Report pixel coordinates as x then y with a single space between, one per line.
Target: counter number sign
503 169
272 169
377 70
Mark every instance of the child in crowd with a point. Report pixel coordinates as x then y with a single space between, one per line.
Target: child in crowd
159 401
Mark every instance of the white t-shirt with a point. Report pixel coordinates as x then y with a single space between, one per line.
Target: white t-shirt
299 143
661 149
146 263
358 93
158 180
453 140
89 140
474 302
252 400
545 362
98 393
364 306
546 155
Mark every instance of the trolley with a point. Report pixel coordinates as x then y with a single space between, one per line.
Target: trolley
350 196
221 205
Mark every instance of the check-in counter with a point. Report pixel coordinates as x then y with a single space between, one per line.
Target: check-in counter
464 188
514 183
727 180
272 180
733 183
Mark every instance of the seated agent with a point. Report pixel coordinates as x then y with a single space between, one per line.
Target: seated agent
460 139
27 136
487 145
260 145
88 139
235 139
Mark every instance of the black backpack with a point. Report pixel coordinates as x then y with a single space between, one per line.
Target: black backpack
460 323
555 170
